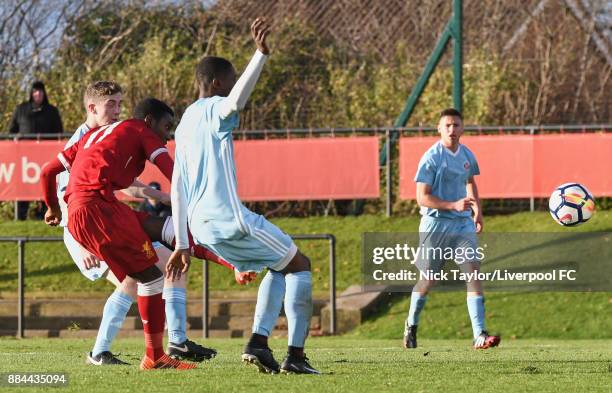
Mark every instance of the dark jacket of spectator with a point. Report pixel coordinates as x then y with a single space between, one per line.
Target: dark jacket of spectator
36 116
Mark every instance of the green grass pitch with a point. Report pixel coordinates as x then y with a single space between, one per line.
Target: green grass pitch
349 365
547 338
50 269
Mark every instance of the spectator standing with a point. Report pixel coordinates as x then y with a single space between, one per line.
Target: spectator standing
35 116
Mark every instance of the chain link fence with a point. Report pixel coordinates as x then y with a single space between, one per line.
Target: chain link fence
556 53
343 63
379 27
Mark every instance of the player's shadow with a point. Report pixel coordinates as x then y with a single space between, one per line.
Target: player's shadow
40 273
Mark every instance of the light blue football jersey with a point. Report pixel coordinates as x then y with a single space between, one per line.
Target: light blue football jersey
205 158
447 173
64 177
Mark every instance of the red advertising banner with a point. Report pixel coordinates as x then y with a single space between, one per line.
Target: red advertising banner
287 169
576 158
20 166
302 169
522 166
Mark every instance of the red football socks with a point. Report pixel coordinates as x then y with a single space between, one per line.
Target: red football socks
153 315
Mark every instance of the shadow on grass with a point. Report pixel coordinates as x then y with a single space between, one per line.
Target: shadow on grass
40 273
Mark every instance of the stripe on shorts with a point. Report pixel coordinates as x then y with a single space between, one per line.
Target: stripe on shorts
269 241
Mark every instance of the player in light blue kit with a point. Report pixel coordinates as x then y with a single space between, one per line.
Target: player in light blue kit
451 217
204 197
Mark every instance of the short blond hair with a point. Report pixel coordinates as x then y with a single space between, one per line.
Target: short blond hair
100 89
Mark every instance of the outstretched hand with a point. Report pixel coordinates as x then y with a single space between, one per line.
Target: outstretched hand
178 264
260 29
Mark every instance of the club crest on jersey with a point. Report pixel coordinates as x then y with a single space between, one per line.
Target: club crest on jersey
466 166
148 250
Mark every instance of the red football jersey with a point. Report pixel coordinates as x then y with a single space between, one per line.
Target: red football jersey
109 158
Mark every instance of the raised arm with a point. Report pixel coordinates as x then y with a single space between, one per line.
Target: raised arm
244 86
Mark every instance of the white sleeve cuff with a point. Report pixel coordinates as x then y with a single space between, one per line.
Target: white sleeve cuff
157 153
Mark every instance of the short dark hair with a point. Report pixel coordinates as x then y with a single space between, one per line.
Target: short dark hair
451 112
151 106
211 67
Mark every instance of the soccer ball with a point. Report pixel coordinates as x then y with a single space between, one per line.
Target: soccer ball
571 204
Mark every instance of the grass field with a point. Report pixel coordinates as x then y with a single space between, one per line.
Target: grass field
49 268
560 315
552 342
550 315
349 365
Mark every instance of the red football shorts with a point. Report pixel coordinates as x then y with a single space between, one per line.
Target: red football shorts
112 231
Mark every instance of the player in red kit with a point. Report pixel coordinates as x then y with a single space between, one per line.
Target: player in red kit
107 159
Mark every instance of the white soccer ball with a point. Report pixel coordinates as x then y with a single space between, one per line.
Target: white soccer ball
571 204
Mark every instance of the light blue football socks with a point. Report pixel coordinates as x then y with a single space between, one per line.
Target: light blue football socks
476 310
417 302
269 302
115 310
296 289
298 307
176 314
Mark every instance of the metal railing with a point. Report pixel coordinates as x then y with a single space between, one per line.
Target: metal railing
22 240
332 282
